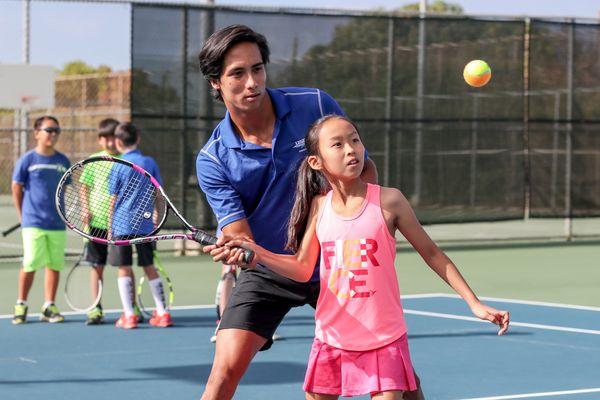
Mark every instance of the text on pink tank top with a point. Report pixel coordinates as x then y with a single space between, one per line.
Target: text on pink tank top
359 303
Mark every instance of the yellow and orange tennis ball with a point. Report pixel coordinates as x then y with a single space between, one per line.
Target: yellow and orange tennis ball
477 73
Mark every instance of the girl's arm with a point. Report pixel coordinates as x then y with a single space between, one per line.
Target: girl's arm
397 206
299 266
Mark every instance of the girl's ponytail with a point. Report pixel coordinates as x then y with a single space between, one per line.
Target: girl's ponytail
310 183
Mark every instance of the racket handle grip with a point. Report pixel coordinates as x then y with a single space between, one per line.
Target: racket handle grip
206 239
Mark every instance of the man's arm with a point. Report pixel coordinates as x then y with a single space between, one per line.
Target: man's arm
369 172
239 228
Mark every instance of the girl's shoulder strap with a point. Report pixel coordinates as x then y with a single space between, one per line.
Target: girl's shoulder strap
324 203
374 194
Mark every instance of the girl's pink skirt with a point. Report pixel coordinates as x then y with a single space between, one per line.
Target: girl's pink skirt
352 373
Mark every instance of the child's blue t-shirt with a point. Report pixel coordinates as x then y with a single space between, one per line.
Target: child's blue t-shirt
39 176
133 210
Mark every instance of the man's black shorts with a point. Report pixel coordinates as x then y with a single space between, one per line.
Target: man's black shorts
260 300
123 255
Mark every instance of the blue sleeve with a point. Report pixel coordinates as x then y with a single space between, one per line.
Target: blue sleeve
114 177
67 165
329 105
20 173
222 197
155 172
67 162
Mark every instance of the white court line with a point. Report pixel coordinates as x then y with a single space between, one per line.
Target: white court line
528 302
421 296
113 311
202 306
512 323
541 394
11 245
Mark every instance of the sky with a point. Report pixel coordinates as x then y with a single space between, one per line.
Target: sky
99 33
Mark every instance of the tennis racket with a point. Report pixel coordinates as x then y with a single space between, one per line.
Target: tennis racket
224 287
137 205
11 229
80 294
144 294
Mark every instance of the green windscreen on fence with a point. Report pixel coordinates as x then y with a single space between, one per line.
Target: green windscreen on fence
458 153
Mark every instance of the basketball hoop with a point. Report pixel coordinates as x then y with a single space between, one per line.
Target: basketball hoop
26 87
28 101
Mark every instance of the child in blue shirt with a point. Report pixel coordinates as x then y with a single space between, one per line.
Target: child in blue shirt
35 178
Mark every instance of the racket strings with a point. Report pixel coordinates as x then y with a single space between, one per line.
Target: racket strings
109 200
146 199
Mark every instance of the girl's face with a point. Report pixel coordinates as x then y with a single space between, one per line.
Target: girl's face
341 152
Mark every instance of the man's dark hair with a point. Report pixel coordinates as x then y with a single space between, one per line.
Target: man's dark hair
216 46
107 127
128 133
39 121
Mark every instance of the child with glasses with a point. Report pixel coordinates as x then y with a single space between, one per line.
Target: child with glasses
34 181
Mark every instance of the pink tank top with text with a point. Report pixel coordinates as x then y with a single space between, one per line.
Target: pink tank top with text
359 302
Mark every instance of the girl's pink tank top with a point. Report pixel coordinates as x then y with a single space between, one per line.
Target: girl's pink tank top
359 304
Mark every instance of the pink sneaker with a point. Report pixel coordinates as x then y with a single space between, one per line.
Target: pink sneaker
161 321
125 322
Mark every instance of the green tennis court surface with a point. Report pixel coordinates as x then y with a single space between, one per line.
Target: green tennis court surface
551 352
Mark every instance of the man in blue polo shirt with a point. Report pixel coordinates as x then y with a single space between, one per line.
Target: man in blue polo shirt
247 172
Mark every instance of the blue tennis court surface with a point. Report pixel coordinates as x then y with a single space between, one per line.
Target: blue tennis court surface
551 352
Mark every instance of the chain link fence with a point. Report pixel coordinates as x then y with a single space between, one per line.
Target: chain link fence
526 145
81 102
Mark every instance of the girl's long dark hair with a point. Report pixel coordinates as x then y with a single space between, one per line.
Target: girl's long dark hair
309 184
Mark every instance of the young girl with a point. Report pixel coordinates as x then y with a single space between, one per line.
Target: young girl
360 343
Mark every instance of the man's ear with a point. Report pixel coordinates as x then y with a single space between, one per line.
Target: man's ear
315 163
215 84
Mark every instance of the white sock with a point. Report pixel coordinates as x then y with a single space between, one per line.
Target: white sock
158 293
126 292
22 302
47 304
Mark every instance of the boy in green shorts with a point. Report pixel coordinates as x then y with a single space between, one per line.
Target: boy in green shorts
35 178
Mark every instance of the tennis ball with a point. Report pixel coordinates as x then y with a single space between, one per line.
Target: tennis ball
477 73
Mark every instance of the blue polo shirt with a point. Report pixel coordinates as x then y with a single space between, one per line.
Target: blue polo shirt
244 180
133 207
39 176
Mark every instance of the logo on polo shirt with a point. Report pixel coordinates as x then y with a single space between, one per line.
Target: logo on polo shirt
299 144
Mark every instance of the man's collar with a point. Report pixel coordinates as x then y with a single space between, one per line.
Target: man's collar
136 150
230 137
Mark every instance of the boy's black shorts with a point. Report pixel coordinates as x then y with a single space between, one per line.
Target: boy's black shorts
96 252
260 300
123 255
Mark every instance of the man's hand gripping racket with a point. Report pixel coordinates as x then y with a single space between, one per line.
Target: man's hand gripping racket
231 251
137 205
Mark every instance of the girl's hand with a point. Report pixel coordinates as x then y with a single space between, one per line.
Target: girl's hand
498 317
234 249
225 252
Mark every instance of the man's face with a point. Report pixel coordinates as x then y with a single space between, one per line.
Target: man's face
242 83
108 144
48 133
